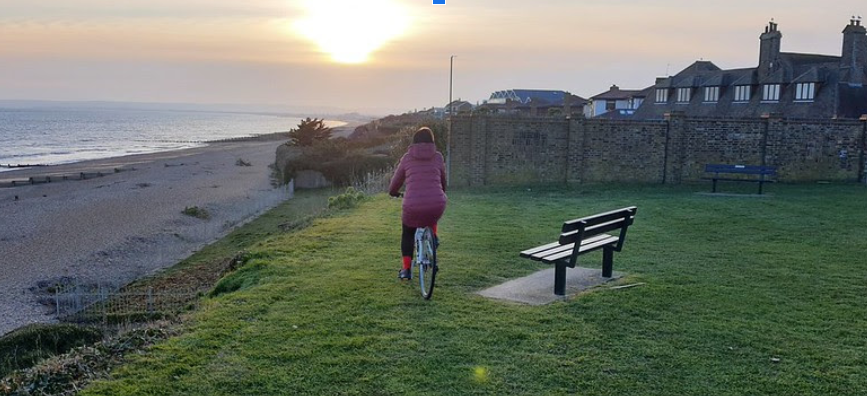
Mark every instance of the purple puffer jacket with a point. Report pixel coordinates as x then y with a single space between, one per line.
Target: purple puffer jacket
423 170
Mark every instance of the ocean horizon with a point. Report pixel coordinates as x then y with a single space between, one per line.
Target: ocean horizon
60 136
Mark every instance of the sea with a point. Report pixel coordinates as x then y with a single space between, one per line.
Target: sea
57 136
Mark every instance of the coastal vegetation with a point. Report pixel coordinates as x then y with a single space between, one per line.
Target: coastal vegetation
773 308
30 344
347 200
79 354
197 212
346 161
309 132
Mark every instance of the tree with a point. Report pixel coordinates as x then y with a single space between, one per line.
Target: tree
309 132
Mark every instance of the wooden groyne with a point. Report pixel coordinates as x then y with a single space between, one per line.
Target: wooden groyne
15 166
62 177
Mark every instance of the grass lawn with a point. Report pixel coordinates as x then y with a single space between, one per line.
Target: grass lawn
743 296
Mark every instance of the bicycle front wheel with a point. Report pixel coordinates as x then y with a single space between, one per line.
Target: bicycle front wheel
427 267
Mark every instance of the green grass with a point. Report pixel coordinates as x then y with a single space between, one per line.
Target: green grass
731 283
30 344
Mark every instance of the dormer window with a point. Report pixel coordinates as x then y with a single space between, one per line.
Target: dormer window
711 94
684 95
662 95
771 93
805 92
742 93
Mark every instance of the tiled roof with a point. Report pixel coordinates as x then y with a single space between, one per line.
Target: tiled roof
746 78
811 76
540 96
839 94
615 93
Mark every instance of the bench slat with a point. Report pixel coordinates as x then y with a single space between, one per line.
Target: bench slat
585 247
572 225
740 180
562 248
741 169
571 236
529 252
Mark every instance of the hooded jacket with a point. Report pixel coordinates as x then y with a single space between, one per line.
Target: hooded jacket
423 171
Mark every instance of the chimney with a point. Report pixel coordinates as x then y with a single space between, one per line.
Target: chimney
769 51
854 59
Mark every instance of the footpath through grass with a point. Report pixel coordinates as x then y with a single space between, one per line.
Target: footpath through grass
743 296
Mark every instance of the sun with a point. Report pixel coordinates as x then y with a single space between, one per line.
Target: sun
350 30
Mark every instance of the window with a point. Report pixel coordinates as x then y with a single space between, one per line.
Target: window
742 93
771 93
805 92
662 95
711 94
683 95
610 105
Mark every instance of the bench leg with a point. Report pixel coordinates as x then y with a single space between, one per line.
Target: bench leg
607 261
760 187
560 279
714 186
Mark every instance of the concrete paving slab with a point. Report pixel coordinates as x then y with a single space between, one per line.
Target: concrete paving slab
538 288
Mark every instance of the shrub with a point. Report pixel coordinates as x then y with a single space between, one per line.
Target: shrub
340 171
28 345
197 212
309 132
349 199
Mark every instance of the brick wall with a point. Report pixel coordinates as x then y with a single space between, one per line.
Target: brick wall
496 150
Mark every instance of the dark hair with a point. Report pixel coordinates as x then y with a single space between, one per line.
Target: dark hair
423 135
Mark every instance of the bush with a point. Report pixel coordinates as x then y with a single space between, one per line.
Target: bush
349 199
309 132
197 212
340 171
28 345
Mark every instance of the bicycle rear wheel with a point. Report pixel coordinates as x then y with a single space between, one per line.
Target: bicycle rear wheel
426 254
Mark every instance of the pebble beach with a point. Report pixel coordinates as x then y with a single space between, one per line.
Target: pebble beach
125 224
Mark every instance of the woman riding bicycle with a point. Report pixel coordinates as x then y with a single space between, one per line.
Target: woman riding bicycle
423 171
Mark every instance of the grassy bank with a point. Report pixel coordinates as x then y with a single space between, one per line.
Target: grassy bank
742 296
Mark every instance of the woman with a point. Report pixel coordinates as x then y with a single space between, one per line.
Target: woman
423 171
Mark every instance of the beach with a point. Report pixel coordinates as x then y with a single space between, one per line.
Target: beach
127 223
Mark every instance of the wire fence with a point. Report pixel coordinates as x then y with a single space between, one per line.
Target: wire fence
102 303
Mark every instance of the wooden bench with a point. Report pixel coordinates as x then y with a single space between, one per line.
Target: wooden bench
754 174
588 234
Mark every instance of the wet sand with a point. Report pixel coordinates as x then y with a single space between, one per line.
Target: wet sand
124 225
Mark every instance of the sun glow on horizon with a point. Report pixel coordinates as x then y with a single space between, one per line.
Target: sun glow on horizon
350 30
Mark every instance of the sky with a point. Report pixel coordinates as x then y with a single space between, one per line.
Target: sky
381 56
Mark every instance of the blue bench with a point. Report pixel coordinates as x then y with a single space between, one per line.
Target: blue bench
749 173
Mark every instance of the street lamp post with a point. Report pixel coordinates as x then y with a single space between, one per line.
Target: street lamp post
449 132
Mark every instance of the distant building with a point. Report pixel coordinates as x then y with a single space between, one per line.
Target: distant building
458 106
793 85
534 102
622 102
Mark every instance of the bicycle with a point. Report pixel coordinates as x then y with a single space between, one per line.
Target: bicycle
425 261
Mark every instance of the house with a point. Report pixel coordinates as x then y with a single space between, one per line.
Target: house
792 85
458 106
618 102
534 102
